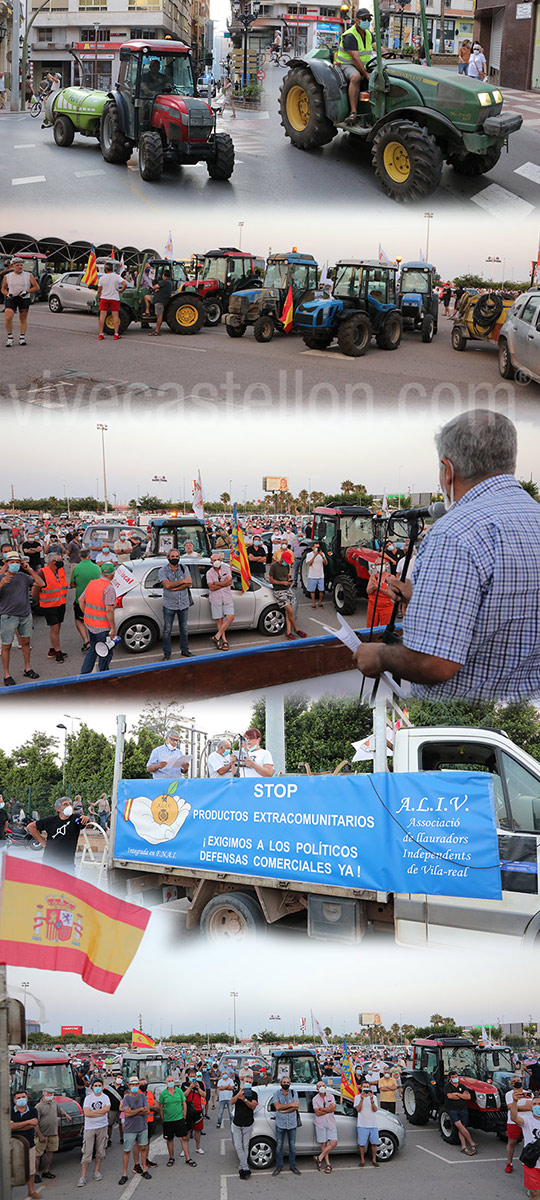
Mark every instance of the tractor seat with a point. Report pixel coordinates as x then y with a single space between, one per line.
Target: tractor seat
377 296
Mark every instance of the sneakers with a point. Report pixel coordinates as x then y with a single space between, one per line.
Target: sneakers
60 657
101 337
300 633
81 1182
98 1176
9 342
508 1169
117 337
295 1170
276 1171
138 1169
122 1180
51 653
199 1151
146 1175
22 340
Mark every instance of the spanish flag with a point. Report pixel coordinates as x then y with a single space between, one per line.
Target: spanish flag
239 556
52 921
141 1041
286 317
90 277
349 1086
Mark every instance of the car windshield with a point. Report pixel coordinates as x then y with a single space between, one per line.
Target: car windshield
276 275
348 281
155 1070
356 531
415 281
57 1076
459 1058
167 73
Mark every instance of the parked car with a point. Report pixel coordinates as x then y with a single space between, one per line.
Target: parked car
139 619
69 292
262 1146
258 1064
519 339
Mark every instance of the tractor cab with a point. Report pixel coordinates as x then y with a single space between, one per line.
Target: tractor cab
362 306
154 77
495 1065
220 273
263 307
301 1066
168 533
351 538
36 1071
370 282
417 299
155 268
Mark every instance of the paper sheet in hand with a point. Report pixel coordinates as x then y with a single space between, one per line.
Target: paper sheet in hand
344 633
182 760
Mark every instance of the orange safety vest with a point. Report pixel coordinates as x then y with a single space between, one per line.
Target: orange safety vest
55 591
95 616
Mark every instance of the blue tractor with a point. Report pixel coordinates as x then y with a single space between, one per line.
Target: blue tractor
417 299
263 308
362 306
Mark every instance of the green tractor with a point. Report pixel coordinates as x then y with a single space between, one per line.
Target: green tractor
185 312
263 307
415 117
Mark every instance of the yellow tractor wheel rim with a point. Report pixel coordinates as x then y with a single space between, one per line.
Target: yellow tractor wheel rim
298 110
186 316
109 321
397 163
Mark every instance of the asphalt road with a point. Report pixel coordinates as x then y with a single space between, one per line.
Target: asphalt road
426 1167
34 171
65 367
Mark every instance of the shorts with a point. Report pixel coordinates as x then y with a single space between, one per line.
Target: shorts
130 1138
51 1143
349 70
199 1123
109 306
458 1114
531 1178
77 611
22 303
327 1132
94 1138
172 1129
513 1131
159 309
283 596
313 584
55 616
9 626
220 608
366 1134
31 1161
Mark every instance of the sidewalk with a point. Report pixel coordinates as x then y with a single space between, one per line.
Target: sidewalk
526 103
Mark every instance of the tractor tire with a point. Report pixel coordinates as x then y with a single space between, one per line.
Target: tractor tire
447 1128
213 312
318 341
264 329
476 164
427 328
389 336
345 595
407 160
63 131
354 335
222 166
506 366
125 316
235 331
114 148
458 338
302 111
186 313
150 156
417 1103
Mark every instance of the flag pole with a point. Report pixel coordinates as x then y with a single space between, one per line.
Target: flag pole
5 1123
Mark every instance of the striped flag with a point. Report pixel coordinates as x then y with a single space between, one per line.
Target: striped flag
349 1086
286 317
141 1041
90 277
239 556
54 922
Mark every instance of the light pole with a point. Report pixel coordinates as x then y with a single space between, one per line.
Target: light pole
492 260
159 479
429 218
240 228
234 996
64 727
104 429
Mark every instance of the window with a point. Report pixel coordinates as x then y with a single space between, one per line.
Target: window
152 580
93 5
52 35
529 312
89 35
415 281
469 756
524 795
344 1107
149 5
429 1061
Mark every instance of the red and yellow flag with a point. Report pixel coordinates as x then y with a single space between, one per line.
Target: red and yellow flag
90 277
349 1086
141 1041
52 921
239 556
287 314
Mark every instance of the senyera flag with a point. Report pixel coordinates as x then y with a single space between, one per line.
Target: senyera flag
90 277
52 921
349 1086
239 556
287 314
141 1041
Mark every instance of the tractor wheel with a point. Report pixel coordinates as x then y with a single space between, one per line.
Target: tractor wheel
125 316
222 166
150 156
458 338
417 1103
427 328
476 164
235 331
354 335
447 1128
389 335
213 312
63 131
302 110
407 160
186 314
318 341
345 595
264 329
114 147
506 366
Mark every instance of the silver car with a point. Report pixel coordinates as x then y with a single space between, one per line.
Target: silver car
139 619
262 1146
69 292
519 339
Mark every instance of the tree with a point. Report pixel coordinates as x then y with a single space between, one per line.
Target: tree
532 488
225 498
319 733
159 718
348 486
408 1032
149 503
303 497
36 777
89 764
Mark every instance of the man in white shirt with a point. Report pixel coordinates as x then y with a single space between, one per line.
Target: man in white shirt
366 1107
158 764
221 761
110 287
96 1107
254 761
17 288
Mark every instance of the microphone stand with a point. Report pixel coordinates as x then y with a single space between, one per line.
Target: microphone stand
237 771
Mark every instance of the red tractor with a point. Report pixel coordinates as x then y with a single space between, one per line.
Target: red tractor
33 1071
350 536
220 273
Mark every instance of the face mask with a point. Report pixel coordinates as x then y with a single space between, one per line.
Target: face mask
13 568
2 805
174 562
134 1088
21 1102
364 24
454 1079
119 1081
256 542
97 1089
67 811
48 1099
536 1110
170 1087
321 1091
285 1087
58 562
143 1086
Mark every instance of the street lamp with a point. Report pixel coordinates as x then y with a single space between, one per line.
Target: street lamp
104 429
96 30
159 479
245 16
64 727
240 228
492 260
429 218
234 996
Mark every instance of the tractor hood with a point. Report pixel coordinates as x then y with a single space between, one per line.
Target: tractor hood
442 90
201 285
193 116
313 314
249 296
413 299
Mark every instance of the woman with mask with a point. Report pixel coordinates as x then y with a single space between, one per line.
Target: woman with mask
528 1117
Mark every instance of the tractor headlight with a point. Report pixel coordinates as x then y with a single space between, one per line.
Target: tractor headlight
497 96
481 1099
485 99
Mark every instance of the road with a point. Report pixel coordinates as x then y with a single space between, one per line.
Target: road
65 367
425 1167
34 171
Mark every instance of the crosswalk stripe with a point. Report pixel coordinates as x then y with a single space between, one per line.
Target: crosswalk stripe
500 202
529 170
29 179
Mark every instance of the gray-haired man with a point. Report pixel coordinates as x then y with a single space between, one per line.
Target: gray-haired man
59 834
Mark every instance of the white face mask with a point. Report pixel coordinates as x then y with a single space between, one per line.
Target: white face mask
67 811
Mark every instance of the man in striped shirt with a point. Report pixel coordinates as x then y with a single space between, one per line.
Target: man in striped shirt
472 622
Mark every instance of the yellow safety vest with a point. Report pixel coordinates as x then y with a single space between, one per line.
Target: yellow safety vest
365 45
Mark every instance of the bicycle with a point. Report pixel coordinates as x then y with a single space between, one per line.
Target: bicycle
36 107
280 59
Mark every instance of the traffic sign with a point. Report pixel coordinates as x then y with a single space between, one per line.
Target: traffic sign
260 76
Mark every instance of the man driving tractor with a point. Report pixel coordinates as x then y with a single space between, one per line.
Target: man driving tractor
354 52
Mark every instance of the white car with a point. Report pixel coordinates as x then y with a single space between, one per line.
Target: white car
519 339
69 292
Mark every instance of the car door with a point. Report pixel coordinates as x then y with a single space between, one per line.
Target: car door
66 288
306 1138
528 338
244 603
346 1124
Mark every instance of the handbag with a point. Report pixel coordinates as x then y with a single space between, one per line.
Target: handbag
530 1154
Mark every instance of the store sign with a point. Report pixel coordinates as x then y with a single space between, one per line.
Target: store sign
524 12
64 1029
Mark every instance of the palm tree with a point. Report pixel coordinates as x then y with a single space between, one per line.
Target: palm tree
348 486
225 499
303 497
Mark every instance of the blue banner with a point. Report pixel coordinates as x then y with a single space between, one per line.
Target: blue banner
427 833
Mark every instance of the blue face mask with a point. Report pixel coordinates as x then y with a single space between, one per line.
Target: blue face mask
97 1089
365 24
134 1088
13 568
536 1110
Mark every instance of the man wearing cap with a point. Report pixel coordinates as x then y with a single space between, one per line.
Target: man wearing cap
353 54
97 606
161 756
176 581
17 578
135 1109
281 579
17 287
82 573
59 834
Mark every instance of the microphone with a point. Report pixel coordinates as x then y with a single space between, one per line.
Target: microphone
435 510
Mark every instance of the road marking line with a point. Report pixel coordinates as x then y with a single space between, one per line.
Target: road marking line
132 1186
222 1147
195 349
29 179
457 1162
25 146
83 174
530 171
500 202
223 1187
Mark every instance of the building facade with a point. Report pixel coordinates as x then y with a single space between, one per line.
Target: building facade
446 32
510 36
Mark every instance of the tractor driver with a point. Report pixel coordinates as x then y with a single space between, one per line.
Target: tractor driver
153 79
354 52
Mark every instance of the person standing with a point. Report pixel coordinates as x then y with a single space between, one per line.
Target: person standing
161 756
316 562
280 579
219 580
324 1107
97 604
388 1087
527 1117
298 554
82 573
16 581
96 1119
244 1101
256 552
225 1089
135 1110
59 834
513 1131
195 1093
173 1111
110 288
18 286
24 1123
254 760
464 54
153 1108
47 1133
176 581
285 1102
228 96
51 595
365 1103
477 66
116 1095
214 1076
456 1096
221 762
163 291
